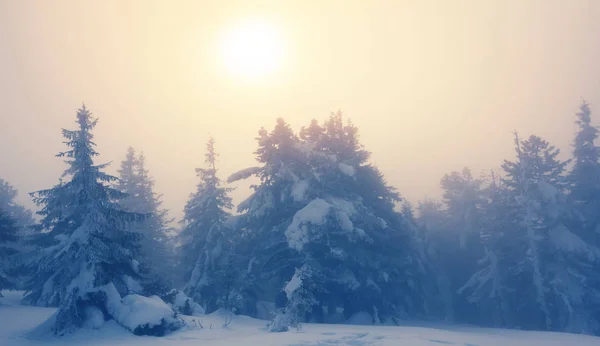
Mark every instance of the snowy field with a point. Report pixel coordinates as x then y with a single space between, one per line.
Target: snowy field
17 323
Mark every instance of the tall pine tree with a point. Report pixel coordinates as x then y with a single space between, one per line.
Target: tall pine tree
584 178
90 245
538 269
207 253
156 256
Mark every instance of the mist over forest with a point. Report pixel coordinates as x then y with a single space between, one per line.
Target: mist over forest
209 172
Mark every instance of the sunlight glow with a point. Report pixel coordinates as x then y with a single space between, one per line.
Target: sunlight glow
252 50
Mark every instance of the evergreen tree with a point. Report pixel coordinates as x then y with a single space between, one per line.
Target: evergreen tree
91 247
208 254
129 182
156 257
437 241
22 216
539 270
320 201
464 201
584 178
8 236
488 288
299 295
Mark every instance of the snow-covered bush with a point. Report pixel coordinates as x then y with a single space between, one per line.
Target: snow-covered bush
140 315
300 300
183 304
146 315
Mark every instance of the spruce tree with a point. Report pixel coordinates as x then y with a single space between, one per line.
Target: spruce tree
22 216
460 247
156 257
584 178
129 181
8 237
488 287
208 243
321 206
537 267
91 247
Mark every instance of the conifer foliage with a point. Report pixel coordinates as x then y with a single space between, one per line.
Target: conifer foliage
207 250
156 256
8 237
22 216
322 207
90 246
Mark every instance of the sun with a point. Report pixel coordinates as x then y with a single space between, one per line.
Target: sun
252 49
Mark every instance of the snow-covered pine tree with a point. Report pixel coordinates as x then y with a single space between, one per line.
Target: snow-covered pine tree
300 299
535 176
320 201
464 200
129 181
22 216
539 270
156 256
156 250
271 205
90 245
584 178
207 250
8 237
436 240
488 287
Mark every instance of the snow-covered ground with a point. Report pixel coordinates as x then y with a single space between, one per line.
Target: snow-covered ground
17 323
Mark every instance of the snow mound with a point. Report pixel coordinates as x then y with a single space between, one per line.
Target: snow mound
146 315
94 318
183 304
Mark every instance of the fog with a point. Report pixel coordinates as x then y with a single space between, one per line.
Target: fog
432 85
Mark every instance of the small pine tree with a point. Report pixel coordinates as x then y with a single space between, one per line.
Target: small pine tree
300 300
87 229
206 249
8 236
22 216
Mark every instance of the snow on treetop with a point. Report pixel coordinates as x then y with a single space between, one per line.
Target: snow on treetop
313 213
243 174
346 169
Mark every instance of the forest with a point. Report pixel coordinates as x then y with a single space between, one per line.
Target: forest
322 238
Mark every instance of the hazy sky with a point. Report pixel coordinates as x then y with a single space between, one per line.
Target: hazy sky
433 85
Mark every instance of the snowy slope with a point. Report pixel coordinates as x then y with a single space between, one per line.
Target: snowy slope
16 323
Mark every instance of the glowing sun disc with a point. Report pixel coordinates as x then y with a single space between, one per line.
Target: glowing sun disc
252 49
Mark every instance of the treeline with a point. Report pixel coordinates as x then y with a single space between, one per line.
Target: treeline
521 249
322 237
